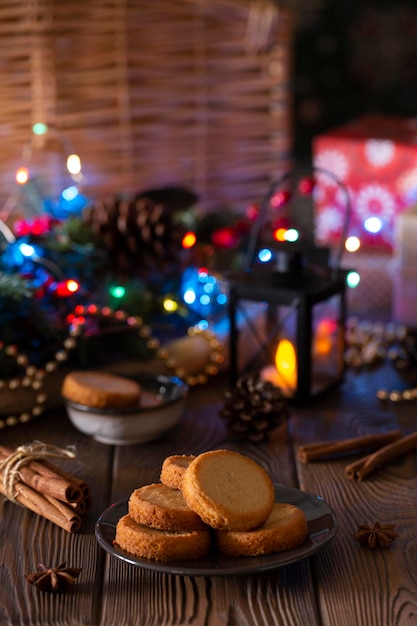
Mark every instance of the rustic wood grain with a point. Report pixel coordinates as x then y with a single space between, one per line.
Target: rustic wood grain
344 584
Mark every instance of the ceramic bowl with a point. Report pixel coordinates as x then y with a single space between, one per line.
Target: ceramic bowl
162 405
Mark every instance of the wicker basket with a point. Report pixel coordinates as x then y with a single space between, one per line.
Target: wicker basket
190 92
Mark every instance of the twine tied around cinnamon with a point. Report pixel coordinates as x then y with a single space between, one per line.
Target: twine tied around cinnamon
23 455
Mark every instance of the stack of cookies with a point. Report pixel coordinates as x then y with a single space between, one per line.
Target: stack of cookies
219 499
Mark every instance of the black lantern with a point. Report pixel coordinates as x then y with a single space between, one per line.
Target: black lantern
291 306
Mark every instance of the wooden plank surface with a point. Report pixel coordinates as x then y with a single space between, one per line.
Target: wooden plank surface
344 584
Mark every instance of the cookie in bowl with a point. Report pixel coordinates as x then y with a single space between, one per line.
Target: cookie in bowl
119 410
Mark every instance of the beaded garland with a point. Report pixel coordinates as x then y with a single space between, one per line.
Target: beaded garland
369 343
34 377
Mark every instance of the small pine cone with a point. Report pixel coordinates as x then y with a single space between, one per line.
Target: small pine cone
142 234
254 408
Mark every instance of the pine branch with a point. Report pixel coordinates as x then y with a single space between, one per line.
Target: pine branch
13 286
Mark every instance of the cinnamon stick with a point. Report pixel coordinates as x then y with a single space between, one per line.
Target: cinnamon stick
317 451
362 468
49 480
45 468
51 509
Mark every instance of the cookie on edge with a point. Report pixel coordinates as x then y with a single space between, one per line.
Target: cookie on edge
228 490
173 468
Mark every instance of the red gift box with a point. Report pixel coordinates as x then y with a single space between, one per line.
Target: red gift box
375 157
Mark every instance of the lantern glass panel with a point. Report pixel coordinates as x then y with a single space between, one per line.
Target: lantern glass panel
327 344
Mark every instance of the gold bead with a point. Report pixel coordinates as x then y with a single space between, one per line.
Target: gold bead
382 394
395 396
51 366
11 420
61 355
25 417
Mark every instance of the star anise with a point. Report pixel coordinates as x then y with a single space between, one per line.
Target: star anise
53 578
376 536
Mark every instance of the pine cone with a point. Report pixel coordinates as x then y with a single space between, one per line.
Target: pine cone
254 408
142 234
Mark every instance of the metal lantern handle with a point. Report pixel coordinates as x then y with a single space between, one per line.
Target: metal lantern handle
265 203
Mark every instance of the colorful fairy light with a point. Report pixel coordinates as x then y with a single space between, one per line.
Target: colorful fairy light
373 224
170 305
22 175
353 279
74 164
117 291
39 129
189 240
264 255
352 244
279 234
292 235
280 199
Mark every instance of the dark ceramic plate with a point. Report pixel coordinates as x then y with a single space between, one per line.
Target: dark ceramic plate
322 527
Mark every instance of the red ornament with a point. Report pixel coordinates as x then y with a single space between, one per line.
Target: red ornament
280 199
224 238
306 185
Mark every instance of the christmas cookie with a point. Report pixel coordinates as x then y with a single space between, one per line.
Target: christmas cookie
164 508
173 468
285 528
101 389
160 545
228 491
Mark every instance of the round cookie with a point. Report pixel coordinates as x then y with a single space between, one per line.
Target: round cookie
164 508
101 389
228 490
173 468
160 545
284 529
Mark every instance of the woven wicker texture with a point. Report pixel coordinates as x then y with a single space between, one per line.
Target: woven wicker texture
189 92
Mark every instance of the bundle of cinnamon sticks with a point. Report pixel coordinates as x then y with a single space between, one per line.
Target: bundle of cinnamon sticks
385 448
43 487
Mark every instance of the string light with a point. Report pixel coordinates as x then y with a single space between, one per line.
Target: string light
352 244
170 305
74 164
22 175
117 291
189 240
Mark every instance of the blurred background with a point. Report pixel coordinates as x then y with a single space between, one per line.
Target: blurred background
353 58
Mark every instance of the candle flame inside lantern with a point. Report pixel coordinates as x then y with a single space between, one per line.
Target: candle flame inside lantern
286 363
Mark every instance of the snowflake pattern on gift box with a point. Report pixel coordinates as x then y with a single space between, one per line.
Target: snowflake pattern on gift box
332 161
375 199
379 152
329 222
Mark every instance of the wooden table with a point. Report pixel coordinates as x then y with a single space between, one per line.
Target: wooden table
343 584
